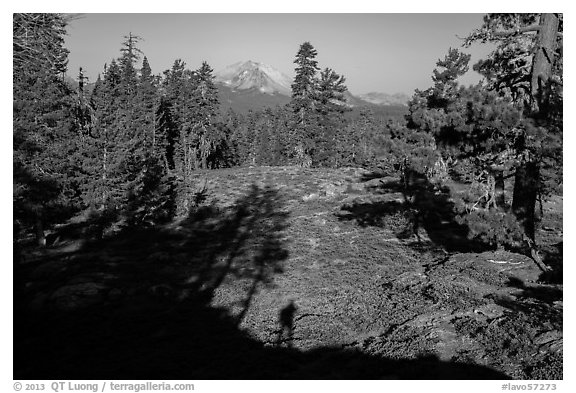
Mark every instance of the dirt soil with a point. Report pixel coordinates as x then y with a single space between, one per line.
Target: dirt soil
286 272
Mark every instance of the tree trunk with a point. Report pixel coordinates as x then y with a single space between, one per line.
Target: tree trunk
39 228
153 137
543 60
104 170
499 188
527 175
525 194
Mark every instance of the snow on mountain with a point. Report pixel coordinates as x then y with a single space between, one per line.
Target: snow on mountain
385 99
253 75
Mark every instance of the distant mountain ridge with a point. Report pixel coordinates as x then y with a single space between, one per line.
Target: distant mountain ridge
253 75
385 99
243 101
251 85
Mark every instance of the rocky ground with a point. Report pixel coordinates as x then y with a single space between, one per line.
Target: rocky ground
286 272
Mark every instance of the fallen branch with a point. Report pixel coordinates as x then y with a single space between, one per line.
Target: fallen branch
535 255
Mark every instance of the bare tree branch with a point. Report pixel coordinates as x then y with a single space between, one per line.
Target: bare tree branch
520 30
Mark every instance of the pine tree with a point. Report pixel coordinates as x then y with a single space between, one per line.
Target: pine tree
303 103
243 138
172 112
264 138
225 153
43 125
166 134
482 130
147 99
189 127
83 115
205 134
38 44
175 120
151 197
330 108
127 156
119 153
103 154
528 68
282 127
232 124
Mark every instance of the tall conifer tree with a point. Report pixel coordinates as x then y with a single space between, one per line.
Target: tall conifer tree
206 135
304 90
43 113
330 107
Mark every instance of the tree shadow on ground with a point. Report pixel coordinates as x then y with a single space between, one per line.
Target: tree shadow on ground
543 293
539 301
423 205
138 305
553 258
534 299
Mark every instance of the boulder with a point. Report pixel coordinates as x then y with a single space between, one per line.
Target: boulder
517 266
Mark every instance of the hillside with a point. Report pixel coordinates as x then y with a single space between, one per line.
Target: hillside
384 112
243 101
285 272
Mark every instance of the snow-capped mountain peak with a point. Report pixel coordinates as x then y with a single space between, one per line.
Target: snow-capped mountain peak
253 75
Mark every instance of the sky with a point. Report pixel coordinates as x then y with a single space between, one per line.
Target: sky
391 53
